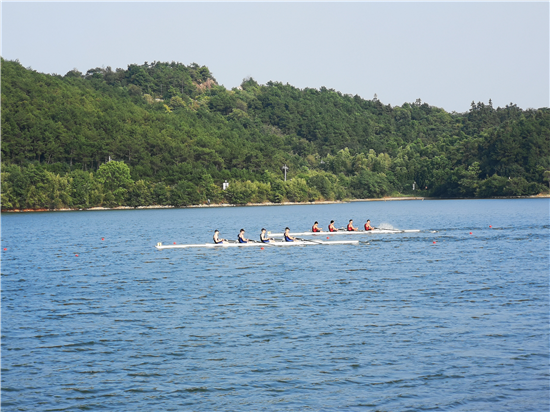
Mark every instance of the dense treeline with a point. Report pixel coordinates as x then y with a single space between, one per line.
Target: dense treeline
174 136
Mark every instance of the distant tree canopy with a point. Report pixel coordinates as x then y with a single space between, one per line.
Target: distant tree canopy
175 136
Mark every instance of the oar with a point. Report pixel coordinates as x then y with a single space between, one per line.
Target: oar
307 240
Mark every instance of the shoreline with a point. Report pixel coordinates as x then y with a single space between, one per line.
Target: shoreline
323 202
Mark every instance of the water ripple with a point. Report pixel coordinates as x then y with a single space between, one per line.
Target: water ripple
395 323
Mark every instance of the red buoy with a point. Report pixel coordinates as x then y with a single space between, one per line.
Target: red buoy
328 237
490 226
76 255
174 243
434 242
470 233
102 238
262 248
5 248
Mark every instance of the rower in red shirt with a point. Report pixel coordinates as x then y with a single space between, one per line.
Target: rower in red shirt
315 228
331 227
368 226
350 226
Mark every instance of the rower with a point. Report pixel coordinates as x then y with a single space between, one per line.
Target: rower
263 237
241 237
368 226
287 236
350 226
217 240
331 227
315 228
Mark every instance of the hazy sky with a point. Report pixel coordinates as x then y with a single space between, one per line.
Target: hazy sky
446 54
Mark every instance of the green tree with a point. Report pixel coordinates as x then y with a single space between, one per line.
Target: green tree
322 183
184 194
59 191
368 184
80 188
296 190
116 180
240 192
546 176
37 192
469 181
139 194
161 194
277 191
492 186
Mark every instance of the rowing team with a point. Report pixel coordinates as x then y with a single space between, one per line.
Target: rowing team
349 228
265 239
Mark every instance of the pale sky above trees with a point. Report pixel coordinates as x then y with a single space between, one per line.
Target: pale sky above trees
446 54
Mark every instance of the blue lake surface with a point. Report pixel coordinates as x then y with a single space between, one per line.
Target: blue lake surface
396 323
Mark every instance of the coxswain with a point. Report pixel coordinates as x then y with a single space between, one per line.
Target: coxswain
350 226
287 236
368 226
331 227
241 237
263 237
217 240
315 228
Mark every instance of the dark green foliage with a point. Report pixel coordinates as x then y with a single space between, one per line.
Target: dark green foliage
139 194
175 136
184 194
161 194
82 185
368 184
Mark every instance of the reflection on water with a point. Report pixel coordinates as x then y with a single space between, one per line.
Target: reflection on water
395 323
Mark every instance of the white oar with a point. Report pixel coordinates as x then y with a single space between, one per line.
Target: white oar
307 240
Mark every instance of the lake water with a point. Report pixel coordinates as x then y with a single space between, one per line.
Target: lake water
396 323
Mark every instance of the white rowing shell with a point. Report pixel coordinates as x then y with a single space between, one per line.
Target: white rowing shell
345 232
272 243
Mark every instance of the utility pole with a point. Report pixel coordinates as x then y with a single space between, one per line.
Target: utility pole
285 168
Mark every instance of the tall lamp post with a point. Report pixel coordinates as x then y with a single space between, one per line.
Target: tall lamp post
285 168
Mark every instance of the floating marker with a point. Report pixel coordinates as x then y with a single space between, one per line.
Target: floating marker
262 248
102 238
490 226
434 242
76 255
328 237
174 243
470 233
5 248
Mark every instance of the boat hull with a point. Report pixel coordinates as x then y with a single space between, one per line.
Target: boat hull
256 244
345 232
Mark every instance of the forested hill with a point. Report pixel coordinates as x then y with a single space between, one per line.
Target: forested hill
174 136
